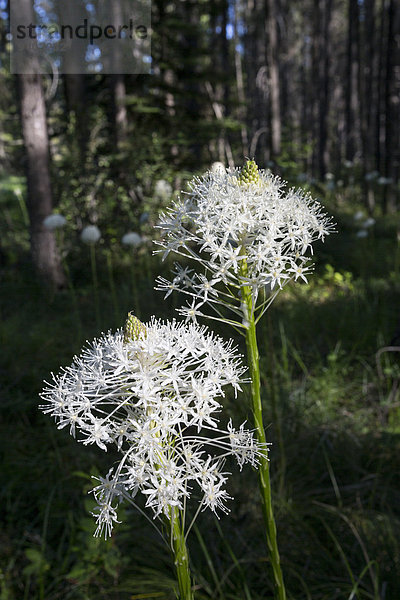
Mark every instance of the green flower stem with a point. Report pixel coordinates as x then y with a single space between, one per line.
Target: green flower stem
263 471
181 556
60 243
95 284
135 284
112 286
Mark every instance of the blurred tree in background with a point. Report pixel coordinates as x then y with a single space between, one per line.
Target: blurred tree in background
310 88
313 82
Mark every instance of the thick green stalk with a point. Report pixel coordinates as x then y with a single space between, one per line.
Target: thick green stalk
263 471
181 556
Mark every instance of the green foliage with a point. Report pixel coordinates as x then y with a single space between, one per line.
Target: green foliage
14 224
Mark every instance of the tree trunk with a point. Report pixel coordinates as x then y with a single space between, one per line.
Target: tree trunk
217 41
306 92
258 119
191 72
368 98
242 110
118 88
321 50
380 83
392 95
273 66
74 82
34 128
326 9
167 73
119 114
74 86
351 80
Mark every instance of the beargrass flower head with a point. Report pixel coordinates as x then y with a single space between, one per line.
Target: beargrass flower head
132 239
371 176
384 180
90 234
358 215
54 221
244 228
370 222
163 189
154 392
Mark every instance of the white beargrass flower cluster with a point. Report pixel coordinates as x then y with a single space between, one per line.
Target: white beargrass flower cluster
90 235
132 239
163 189
153 392
244 229
54 221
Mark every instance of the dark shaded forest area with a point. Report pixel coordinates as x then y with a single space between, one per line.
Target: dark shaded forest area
311 91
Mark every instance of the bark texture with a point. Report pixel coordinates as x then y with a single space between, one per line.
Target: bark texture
44 252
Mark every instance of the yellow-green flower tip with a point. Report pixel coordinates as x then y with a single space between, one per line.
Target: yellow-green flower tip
133 328
249 173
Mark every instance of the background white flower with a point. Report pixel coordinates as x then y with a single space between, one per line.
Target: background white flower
132 239
54 221
154 392
163 189
90 234
358 215
384 180
368 223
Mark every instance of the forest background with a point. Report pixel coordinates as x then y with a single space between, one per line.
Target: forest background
310 90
